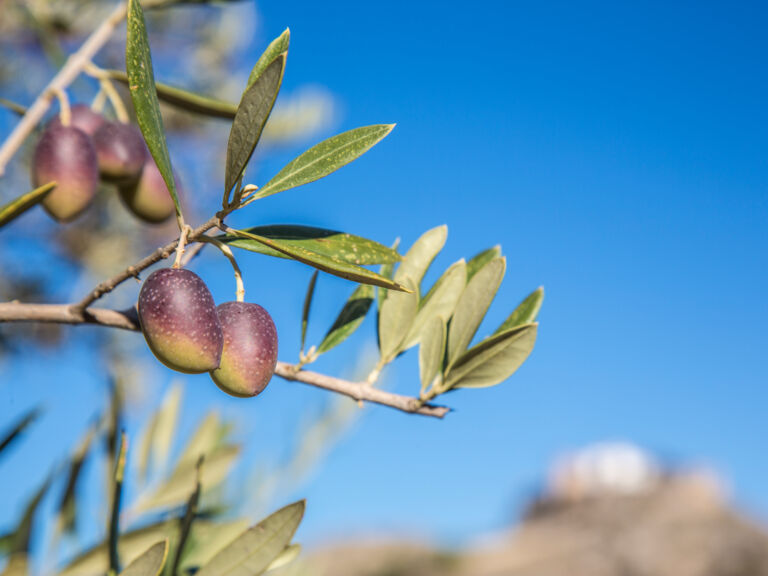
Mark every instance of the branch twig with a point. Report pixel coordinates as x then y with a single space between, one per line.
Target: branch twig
127 320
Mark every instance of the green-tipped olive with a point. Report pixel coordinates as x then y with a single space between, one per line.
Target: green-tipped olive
149 198
250 349
65 154
179 321
84 118
121 151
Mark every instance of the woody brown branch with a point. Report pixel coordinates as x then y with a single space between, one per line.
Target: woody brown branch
128 320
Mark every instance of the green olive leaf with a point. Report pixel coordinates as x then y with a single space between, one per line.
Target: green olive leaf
349 319
17 207
432 350
526 312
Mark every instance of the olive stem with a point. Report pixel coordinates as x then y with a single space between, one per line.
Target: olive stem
97 105
65 112
227 251
108 88
184 233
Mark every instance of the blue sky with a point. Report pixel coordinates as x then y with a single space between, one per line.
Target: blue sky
617 153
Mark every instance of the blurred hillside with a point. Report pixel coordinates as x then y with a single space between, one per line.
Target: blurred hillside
607 511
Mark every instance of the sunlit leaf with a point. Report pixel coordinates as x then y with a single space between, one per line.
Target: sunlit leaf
526 312
349 319
315 259
141 85
337 245
17 207
150 563
396 318
420 256
158 437
441 300
288 555
207 539
481 259
494 359
432 350
277 47
252 113
325 158
307 306
204 441
472 306
254 550
185 99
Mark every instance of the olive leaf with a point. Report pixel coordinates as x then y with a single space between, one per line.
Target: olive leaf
14 107
67 509
526 312
481 259
396 318
472 306
420 256
158 436
17 207
277 47
307 305
349 319
494 359
325 158
150 563
252 552
288 555
141 85
432 350
18 428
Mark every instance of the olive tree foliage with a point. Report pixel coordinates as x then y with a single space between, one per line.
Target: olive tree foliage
180 522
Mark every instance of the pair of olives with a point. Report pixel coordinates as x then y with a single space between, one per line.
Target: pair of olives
91 148
236 342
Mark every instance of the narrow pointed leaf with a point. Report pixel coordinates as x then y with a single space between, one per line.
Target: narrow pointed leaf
141 85
526 312
158 436
185 99
307 306
319 261
17 207
349 319
432 350
494 359
420 256
67 509
479 260
207 539
17 109
150 563
253 551
277 47
338 245
325 158
22 536
396 318
441 300
18 428
472 306
252 113
288 555
117 497
203 442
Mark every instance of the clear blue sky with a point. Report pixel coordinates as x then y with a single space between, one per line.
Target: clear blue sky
618 153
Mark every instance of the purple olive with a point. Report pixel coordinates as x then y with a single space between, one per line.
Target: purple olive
250 349
65 154
84 118
179 321
149 198
121 151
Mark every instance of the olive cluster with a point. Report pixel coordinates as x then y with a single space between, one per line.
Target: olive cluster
236 342
91 148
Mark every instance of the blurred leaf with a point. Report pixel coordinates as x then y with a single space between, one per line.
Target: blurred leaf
186 523
288 555
67 509
204 441
526 312
349 319
141 85
17 207
472 306
150 563
441 300
17 109
252 113
432 350
387 271
253 551
420 256
315 259
117 497
494 359
277 47
158 437
325 158
18 565
6 542
176 490
22 536
307 306
18 428
396 318
337 245
186 100
479 260
207 539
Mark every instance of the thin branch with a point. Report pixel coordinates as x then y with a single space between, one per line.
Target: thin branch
127 320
